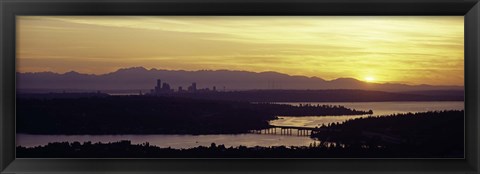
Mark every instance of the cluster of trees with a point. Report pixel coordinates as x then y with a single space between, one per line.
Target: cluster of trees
153 115
136 115
124 149
309 110
435 132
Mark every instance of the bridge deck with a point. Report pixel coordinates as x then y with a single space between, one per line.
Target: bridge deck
298 127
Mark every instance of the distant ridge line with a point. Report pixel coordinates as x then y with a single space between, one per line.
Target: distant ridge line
142 78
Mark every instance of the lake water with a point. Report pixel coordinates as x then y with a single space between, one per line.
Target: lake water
379 109
189 141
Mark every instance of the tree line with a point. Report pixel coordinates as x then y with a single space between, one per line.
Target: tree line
424 132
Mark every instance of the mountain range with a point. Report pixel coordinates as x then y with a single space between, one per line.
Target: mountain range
139 78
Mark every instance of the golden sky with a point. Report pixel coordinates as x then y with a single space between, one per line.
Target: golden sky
388 49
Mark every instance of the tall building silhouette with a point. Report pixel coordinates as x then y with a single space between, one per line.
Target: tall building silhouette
161 88
193 88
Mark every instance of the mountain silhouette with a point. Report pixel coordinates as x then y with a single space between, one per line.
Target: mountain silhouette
140 78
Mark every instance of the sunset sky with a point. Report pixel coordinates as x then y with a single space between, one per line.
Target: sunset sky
410 50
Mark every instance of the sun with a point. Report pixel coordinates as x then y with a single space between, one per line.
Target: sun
369 79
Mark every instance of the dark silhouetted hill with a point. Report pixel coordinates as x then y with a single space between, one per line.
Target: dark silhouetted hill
433 132
154 115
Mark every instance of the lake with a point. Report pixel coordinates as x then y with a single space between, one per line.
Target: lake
250 140
379 109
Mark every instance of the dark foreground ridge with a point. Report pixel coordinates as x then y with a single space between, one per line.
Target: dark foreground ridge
125 149
155 115
419 135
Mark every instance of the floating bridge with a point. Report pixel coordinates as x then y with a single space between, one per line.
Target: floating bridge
290 130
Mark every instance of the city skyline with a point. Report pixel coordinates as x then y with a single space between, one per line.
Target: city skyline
403 50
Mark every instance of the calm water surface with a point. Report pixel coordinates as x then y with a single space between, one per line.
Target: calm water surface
189 141
379 109
174 141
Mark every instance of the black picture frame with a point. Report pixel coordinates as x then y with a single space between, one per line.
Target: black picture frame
470 9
